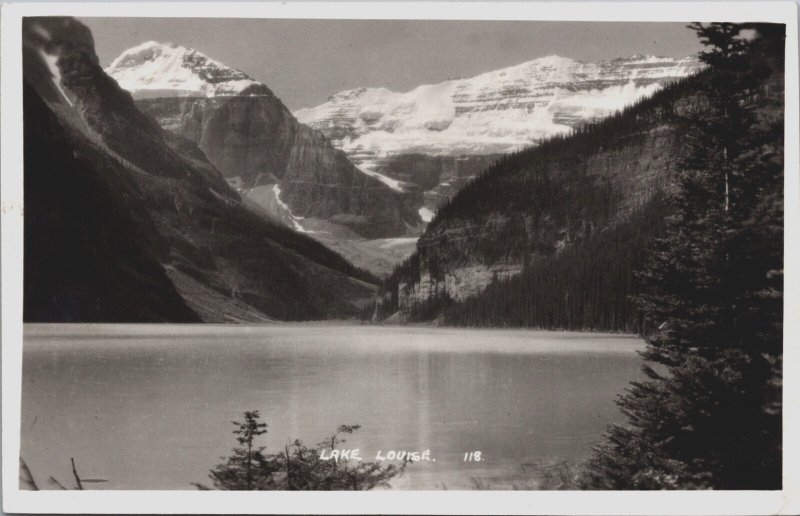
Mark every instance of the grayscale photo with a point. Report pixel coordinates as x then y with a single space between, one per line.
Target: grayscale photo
380 254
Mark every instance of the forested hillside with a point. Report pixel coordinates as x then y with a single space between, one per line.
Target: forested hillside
588 285
551 236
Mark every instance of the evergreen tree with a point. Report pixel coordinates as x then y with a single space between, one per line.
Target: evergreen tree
709 415
297 467
246 469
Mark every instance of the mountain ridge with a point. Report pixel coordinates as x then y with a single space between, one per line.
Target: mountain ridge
126 222
528 89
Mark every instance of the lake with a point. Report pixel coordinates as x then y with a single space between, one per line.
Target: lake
150 406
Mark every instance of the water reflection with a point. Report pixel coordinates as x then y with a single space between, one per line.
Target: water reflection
149 407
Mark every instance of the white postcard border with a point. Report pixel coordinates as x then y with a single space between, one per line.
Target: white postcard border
390 502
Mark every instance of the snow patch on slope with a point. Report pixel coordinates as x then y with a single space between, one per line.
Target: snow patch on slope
52 64
426 214
391 243
394 184
293 218
41 31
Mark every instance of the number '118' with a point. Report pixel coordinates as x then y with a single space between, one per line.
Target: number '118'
473 456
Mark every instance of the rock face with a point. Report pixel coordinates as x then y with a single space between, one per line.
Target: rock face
489 114
253 139
126 222
438 177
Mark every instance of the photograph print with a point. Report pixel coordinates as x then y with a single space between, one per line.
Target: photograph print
381 254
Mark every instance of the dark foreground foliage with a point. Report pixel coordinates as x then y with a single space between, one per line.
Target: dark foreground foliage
296 468
709 414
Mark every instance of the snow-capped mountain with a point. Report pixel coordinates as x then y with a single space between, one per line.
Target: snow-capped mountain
253 139
495 112
155 69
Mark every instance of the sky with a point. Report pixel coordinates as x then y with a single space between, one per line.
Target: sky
306 61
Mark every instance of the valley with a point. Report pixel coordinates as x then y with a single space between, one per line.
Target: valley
357 181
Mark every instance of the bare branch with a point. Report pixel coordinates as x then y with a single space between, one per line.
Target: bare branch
75 472
27 476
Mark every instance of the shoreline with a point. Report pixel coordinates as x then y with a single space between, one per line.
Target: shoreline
31 327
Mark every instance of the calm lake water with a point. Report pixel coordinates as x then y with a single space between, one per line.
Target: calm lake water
150 406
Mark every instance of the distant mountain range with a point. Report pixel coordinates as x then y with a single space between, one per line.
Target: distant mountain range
412 151
438 136
495 112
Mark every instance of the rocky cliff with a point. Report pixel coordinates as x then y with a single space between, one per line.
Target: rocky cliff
127 222
437 177
249 135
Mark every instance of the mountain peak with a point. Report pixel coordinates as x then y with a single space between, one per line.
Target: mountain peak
163 69
648 59
148 51
554 60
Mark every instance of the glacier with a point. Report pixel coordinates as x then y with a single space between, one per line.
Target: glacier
495 112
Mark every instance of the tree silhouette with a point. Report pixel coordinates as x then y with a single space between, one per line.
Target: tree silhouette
709 414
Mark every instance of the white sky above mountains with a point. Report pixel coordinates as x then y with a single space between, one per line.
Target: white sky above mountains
306 61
